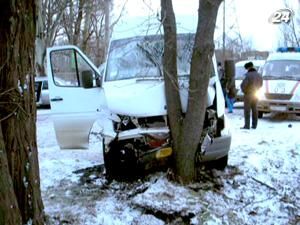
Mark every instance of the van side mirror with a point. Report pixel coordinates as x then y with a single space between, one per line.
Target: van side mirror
87 78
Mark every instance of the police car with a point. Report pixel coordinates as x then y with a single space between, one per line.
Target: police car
281 76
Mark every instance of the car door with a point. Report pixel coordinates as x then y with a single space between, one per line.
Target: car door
76 96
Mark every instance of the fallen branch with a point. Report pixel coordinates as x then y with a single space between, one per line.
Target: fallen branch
264 184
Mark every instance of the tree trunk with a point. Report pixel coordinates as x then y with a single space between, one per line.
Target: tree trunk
78 21
186 131
40 47
19 159
9 211
106 26
170 75
86 33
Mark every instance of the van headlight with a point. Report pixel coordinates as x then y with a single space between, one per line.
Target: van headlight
259 94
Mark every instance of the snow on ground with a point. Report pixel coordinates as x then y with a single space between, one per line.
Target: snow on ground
260 185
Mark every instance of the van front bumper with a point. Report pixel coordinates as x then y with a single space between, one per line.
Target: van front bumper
218 149
278 106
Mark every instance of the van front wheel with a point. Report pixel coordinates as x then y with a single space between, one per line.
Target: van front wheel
120 160
220 164
260 114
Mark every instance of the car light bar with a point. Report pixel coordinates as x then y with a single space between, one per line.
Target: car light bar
288 49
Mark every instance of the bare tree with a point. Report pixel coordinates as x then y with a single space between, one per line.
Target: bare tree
20 194
187 128
67 19
50 13
76 20
290 29
85 23
235 47
101 26
98 18
234 42
289 33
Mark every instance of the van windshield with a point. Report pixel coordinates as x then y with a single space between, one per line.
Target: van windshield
141 57
282 69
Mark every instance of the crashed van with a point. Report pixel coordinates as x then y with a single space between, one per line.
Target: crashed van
129 101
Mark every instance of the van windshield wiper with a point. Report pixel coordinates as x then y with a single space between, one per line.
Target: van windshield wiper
271 77
290 77
146 78
285 77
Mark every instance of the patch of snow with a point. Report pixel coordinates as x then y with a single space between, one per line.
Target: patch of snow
260 185
169 198
110 211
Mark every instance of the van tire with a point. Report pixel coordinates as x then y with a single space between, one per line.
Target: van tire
120 162
220 164
260 114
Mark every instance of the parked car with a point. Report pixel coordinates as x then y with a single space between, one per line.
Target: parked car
41 92
130 101
281 78
240 72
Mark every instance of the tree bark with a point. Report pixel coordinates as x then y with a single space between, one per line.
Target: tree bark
78 21
186 130
40 43
18 114
107 29
174 110
9 211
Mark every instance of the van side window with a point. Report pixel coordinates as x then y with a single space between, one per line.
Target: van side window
70 69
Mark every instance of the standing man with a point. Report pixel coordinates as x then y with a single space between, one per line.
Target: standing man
230 84
230 96
251 83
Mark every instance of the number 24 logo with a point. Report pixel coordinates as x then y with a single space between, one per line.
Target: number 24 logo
281 15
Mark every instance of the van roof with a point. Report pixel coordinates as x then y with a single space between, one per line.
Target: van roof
151 37
284 56
150 25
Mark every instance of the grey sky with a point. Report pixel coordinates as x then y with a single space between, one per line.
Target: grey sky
249 17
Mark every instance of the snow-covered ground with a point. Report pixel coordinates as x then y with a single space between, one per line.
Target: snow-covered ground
261 185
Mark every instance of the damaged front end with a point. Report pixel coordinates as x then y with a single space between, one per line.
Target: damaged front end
142 144
134 89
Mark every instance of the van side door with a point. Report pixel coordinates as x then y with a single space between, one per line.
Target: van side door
76 96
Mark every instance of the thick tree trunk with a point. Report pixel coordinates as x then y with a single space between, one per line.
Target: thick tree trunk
9 210
170 75
18 113
186 132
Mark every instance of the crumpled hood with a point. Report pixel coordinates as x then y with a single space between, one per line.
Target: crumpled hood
136 98
142 98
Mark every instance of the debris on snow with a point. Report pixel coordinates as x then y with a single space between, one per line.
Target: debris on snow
259 186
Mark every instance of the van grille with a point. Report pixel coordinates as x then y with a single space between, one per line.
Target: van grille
278 96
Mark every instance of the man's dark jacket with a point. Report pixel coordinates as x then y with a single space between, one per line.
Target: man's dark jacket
252 82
